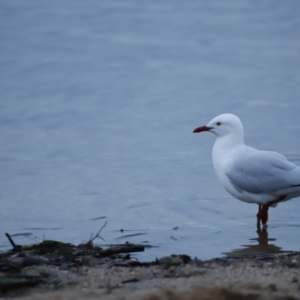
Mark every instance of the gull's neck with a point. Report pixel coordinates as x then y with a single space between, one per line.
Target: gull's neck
226 144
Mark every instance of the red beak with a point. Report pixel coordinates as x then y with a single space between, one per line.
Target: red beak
202 128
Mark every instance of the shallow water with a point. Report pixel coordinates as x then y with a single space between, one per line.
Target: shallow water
98 104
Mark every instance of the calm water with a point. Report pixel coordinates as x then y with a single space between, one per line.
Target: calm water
98 103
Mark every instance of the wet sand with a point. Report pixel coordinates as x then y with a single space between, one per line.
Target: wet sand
257 277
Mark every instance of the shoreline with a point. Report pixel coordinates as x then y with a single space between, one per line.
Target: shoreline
171 277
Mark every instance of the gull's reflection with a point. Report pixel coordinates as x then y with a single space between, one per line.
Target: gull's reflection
264 247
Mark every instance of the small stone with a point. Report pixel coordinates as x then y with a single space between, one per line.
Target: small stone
32 273
273 287
168 261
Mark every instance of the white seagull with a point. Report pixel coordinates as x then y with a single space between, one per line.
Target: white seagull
250 175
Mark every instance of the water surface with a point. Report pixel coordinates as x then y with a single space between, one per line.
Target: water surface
98 103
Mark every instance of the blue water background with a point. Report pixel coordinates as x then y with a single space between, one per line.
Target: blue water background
98 103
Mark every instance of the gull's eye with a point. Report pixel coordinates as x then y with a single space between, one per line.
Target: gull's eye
219 123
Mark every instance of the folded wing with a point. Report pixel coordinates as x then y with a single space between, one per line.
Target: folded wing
263 172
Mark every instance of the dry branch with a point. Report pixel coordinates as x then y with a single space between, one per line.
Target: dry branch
97 235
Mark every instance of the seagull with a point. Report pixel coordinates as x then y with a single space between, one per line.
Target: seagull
250 175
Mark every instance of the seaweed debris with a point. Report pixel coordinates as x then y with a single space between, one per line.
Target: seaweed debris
14 273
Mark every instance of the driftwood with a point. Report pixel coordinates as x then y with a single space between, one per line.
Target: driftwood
125 248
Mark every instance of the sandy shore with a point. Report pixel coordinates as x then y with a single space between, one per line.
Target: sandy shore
273 277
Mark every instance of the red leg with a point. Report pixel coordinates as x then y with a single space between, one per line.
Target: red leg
265 207
264 214
258 215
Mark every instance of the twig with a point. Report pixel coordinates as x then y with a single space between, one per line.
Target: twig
11 240
90 242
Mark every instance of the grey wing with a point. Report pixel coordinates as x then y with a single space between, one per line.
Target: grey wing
263 172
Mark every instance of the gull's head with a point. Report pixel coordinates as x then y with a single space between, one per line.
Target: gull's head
222 125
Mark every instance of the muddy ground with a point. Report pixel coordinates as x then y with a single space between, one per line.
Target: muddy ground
54 270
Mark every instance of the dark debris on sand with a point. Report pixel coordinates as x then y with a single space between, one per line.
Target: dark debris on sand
18 272
15 274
